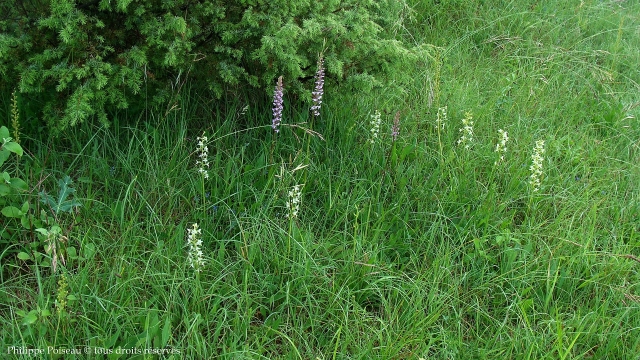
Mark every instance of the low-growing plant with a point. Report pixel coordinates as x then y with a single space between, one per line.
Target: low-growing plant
50 235
62 203
11 188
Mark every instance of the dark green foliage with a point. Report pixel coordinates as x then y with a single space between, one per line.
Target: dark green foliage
88 56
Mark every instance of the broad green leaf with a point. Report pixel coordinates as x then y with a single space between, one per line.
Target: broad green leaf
30 318
89 250
24 256
402 182
14 148
19 184
12 212
110 342
166 332
4 155
4 133
154 324
26 221
25 207
407 150
4 190
116 354
45 313
71 297
71 251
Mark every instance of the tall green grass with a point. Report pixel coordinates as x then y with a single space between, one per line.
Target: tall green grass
407 249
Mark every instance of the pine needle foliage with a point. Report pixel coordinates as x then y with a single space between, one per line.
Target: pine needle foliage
94 55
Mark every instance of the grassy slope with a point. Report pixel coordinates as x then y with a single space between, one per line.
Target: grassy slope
418 248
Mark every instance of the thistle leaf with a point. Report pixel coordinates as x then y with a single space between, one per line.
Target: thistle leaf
62 203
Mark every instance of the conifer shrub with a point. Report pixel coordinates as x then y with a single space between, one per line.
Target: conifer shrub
83 58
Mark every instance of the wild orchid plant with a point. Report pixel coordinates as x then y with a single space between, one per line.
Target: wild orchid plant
15 117
293 207
194 239
293 203
62 293
441 120
277 105
375 126
194 234
536 166
395 129
319 89
203 156
501 147
467 131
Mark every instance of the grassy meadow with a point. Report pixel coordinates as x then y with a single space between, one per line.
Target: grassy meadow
501 223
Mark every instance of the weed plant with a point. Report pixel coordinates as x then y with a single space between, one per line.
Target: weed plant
403 245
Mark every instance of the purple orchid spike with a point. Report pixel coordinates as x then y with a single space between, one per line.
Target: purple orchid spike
277 105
